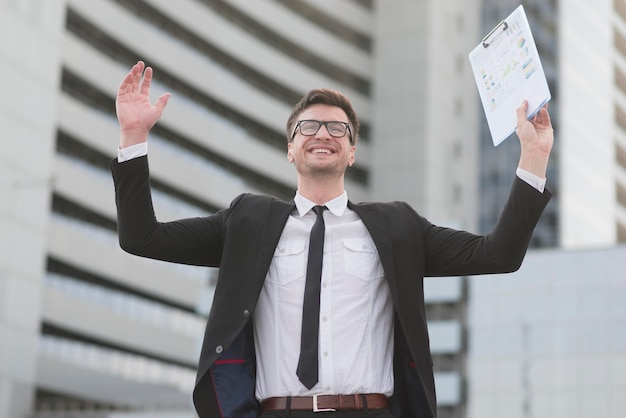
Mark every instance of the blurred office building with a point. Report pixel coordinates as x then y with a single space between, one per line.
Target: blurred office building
548 341
87 330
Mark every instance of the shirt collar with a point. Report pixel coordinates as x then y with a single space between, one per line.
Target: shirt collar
336 206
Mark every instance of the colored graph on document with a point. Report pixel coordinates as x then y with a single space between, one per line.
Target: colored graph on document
511 64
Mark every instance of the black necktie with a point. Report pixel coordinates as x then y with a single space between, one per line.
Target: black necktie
307 365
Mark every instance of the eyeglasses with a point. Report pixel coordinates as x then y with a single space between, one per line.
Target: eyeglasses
311 127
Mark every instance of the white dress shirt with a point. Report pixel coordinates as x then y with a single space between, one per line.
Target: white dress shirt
356 312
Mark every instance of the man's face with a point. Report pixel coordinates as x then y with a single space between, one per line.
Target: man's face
321 154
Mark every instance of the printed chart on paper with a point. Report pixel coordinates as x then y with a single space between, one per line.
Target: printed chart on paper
507 70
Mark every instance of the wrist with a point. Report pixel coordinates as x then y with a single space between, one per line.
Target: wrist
132 137
535 162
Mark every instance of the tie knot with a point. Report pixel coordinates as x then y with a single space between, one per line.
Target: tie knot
319 209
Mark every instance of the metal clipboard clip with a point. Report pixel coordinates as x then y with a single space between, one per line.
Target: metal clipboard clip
500 27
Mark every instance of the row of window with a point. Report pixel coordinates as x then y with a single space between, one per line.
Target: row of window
132 306
118 363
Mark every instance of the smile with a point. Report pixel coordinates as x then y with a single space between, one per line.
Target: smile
321 151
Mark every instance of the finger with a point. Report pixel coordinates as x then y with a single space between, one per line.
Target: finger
146 82
137 72
521 113
124 86
129 83
544 116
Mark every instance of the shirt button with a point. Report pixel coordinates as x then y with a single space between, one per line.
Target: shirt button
324 319
219 349
246 313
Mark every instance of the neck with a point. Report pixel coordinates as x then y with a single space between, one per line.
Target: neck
319 190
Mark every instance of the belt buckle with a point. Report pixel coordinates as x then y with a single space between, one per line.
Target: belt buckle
317 409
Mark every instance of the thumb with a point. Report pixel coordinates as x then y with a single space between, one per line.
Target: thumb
521 113
162 101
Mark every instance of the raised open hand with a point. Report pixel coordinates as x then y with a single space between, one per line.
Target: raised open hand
135 113
536 138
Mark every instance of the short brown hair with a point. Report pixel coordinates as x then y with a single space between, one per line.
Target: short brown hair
327 97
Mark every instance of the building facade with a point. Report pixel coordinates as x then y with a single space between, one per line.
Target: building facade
87 328
548 341
593 163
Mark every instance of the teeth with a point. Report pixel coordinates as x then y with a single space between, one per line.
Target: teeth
321 151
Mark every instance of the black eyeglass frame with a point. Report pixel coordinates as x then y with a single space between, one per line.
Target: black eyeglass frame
325 124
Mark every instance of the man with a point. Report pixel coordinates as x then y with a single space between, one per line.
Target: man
366 353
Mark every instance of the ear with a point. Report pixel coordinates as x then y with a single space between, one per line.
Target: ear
289 154
352 158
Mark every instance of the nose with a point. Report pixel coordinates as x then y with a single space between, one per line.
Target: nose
323 134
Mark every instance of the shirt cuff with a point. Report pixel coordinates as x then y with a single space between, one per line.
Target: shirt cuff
134 151
532 179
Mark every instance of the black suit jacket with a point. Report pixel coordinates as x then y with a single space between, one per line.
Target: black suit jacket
241 241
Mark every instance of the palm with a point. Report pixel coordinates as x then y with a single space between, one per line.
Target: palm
536 132
135 113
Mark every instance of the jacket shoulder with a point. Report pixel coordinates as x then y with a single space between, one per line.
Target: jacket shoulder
255 200
393 212
396 207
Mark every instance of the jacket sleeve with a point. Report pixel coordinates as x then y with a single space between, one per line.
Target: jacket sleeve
195 241
454 253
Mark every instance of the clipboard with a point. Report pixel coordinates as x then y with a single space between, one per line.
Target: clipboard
507 70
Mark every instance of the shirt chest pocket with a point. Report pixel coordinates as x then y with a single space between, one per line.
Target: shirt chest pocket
361 259
288 263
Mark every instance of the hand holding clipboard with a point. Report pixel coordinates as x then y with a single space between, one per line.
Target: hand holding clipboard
507 70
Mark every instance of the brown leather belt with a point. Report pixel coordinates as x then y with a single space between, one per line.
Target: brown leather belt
320 403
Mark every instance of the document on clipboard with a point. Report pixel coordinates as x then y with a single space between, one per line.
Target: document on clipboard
507 70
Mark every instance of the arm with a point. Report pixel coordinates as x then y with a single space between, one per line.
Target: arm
451 252
196 241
